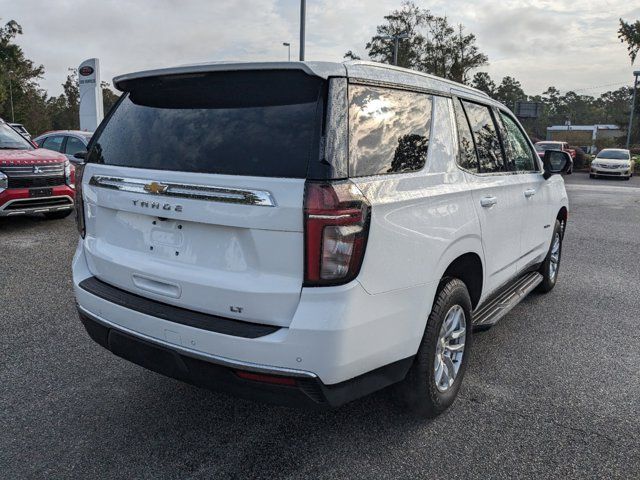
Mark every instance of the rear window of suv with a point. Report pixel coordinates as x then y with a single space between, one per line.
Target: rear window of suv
235 123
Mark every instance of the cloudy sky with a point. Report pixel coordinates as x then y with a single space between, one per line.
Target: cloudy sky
567 43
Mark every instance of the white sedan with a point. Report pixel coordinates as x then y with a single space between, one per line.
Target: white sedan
612 162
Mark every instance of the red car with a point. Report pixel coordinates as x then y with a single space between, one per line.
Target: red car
542 147
33 180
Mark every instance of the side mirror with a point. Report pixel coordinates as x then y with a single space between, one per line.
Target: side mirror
555 162
80 156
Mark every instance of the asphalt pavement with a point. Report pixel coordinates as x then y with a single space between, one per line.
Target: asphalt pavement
552 391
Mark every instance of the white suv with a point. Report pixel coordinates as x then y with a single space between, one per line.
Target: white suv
308 233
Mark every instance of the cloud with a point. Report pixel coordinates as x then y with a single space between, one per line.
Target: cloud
545 42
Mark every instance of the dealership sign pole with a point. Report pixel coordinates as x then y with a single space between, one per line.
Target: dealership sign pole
633 107
91 108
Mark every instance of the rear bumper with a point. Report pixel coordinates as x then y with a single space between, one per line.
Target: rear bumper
16 201
304 389
337 335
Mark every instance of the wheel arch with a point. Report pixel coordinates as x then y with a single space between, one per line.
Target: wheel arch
464 260
563 214
468 268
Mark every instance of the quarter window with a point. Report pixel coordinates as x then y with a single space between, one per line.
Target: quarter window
486 137
389 130
517 149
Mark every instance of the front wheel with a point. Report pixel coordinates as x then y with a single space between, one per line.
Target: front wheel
551 265
434 379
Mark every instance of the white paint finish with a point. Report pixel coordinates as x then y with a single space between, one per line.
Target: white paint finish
211 256
337 332
500 224
91 107
536 222
418 217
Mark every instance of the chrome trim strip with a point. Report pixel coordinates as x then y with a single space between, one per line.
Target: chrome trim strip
331 217
212 193
42 209
39 199
226 362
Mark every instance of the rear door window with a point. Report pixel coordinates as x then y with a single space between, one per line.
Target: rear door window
264 123
486 137
467 157
388 130
53 143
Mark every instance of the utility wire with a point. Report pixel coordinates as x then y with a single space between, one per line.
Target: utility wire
599 86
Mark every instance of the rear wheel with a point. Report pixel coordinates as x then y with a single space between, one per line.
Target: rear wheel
57 215
434 379
551 265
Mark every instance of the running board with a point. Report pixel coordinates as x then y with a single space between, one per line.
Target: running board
489 313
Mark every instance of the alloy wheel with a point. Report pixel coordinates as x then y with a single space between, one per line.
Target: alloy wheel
554 257
450 348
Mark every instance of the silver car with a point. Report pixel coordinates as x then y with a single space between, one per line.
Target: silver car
68 142
612 162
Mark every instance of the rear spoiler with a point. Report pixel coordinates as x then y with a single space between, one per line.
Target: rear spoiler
317 69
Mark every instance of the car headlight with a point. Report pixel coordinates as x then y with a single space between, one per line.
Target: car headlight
4 182
69 174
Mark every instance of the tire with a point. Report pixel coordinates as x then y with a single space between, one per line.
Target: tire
419 390
58 215
591 175
554 256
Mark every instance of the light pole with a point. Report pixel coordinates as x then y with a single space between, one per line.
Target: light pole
636 74
288 45
13 118
396 41
303 16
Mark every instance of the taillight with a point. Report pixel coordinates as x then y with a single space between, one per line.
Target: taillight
78 172
336 227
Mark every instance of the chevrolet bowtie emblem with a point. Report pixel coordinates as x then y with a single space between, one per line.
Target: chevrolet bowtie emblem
155 187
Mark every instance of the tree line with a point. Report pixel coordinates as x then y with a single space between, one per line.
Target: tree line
32 106
433 45
430 44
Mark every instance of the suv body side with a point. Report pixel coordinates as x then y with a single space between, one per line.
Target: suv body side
421 223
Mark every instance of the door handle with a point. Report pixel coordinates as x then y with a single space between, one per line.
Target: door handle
488 201
530 192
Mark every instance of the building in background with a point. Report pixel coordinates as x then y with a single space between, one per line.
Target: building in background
586 136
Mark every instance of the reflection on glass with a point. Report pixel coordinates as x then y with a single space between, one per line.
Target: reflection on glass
468 159
389 130
517 149
557 160
486 137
